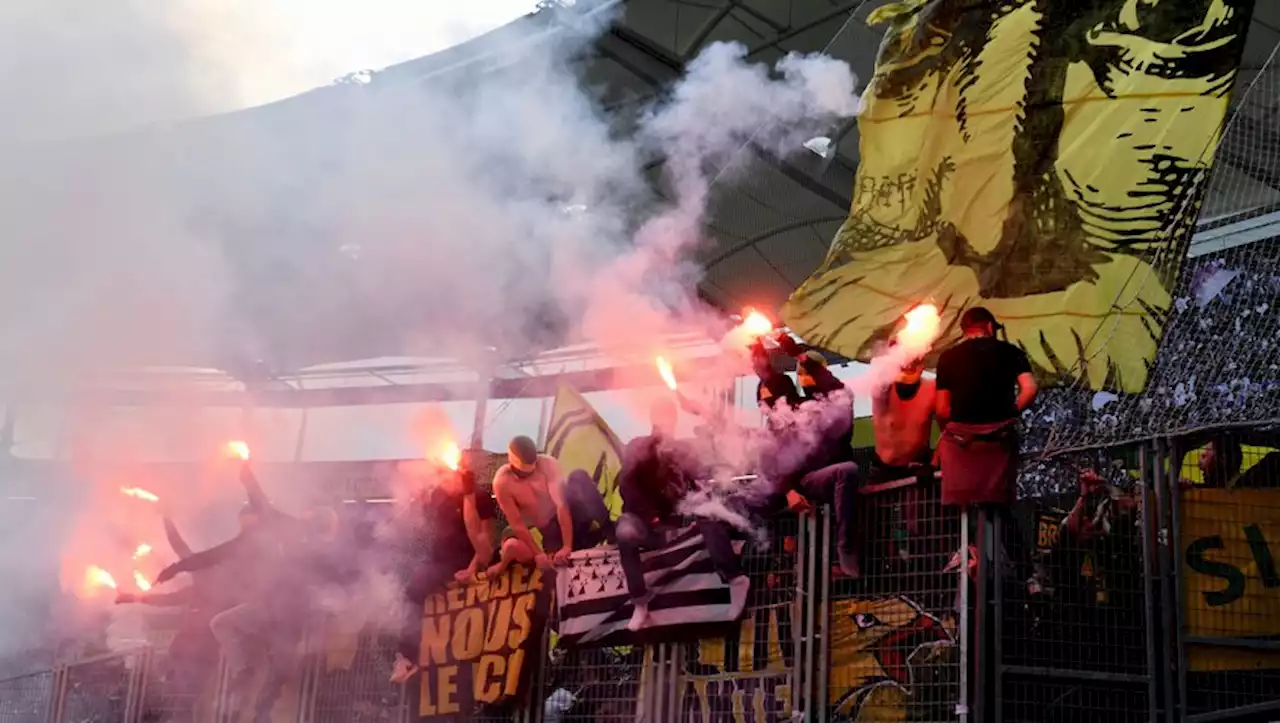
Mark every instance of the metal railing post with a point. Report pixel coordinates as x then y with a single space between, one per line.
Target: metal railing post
962 704
823 638
1149 580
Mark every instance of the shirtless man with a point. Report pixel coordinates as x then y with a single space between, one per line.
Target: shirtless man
534 493
903 419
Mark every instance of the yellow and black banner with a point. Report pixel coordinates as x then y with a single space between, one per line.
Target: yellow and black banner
1041 158
579 439
1231 580
480 643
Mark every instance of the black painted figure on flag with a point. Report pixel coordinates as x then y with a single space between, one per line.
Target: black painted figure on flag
1041 158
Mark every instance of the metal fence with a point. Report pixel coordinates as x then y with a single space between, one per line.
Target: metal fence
1154 595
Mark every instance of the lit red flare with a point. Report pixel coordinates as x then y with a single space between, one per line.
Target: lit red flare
755 324
238 450
141 581
143 550
450 455
139 493
95 578
921 328
667 373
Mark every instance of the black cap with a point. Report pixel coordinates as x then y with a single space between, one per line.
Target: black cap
977 316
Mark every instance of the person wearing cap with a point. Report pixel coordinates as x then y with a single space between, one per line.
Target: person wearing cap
532 491
983 385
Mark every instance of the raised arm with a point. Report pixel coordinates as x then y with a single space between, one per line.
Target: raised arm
202 560
477 530
253 490
179 545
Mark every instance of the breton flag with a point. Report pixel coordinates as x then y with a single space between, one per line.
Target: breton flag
595 605
579 439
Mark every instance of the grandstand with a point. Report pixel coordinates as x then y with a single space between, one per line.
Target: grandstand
313 379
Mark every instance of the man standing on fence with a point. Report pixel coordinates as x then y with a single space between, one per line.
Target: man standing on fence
983 385
657 472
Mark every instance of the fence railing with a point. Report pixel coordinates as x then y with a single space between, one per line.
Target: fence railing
1156 598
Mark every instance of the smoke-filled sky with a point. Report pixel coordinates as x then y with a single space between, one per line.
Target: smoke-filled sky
74 68
420 214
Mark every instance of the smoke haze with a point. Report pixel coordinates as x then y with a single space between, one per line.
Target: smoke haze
439 208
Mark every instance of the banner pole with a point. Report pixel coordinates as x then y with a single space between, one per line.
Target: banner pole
484 385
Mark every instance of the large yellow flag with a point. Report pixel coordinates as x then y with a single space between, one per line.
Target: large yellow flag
1042 158
579 439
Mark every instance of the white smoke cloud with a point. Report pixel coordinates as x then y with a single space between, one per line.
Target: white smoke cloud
497 204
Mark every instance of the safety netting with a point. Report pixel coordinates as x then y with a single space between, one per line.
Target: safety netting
1217 364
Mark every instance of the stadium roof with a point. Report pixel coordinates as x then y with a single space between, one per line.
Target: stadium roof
767 232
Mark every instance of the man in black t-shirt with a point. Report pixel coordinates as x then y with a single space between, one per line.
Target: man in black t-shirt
452 511
983 385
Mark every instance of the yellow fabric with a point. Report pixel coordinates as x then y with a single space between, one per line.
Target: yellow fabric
579 439
1226 535
1046 176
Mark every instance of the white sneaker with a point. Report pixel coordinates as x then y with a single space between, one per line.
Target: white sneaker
640 614
738 589
403 670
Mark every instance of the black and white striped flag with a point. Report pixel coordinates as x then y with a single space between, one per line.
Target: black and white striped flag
595 606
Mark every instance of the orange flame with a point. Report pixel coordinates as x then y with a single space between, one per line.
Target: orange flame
141 581
667 373
95 577
238 449
755 324
922 327
143 550
450 455
139 493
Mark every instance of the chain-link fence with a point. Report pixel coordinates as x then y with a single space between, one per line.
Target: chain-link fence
1127 584
27 698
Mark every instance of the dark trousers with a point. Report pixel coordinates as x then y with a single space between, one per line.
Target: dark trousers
835 485
591 523
430 577
636 535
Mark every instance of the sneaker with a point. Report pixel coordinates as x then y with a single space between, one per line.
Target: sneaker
639 613
849 564
738 589
403 670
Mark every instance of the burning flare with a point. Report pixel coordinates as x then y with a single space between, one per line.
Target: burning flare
921 329
139 493
95 577
143 550
451 455
667 373
755 324
238 449
140 581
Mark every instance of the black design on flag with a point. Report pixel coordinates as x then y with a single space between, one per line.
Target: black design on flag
595 604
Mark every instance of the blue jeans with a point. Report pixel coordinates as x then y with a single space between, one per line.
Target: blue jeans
835 485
